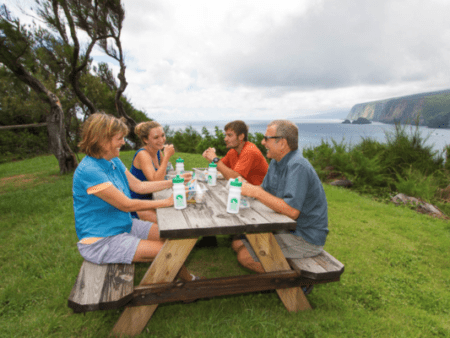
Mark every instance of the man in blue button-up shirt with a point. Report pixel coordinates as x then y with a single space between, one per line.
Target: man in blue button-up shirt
291 187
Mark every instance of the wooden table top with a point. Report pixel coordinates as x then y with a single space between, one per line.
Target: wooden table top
211 217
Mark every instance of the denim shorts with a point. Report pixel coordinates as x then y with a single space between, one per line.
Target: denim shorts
291 245
116 249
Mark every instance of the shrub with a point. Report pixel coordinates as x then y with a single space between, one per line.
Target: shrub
217 141
404 150
415 183
186 142
367 171
23 143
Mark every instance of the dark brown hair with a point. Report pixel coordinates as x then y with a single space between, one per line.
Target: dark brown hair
239 127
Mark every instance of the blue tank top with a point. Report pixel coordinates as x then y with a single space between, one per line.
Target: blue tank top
139 174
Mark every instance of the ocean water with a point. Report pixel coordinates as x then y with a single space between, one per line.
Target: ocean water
312 132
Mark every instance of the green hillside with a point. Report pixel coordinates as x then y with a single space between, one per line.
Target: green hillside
429 109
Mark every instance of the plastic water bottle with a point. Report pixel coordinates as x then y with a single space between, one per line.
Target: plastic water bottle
212 174
169 167
179 193
179 166
234 197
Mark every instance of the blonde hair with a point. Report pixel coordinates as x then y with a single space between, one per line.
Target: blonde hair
142 130
98 129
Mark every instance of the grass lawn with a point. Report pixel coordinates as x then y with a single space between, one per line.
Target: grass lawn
396 281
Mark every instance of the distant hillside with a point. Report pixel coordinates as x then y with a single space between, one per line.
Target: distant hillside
431 109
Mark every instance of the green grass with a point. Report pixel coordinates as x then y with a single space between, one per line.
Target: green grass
396 281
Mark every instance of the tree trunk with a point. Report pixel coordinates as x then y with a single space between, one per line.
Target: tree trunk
57 137
55 119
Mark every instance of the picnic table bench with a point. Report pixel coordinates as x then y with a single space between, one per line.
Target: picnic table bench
111 286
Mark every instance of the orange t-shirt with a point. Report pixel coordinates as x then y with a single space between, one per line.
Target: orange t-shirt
250 163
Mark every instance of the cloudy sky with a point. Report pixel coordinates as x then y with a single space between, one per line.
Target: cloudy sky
223 60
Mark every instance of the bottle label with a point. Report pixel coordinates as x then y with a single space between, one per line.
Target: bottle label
234 204
179 201
209 179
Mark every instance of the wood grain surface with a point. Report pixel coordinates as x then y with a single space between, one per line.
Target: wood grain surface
211 218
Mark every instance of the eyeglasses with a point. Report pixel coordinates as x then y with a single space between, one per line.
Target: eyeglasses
269 137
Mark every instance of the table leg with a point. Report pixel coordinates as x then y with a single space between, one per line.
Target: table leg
164 269
272 259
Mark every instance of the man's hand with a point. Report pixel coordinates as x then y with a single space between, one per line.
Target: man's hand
250 190
209 154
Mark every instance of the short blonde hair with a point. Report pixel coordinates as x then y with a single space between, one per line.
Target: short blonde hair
98 129
142 130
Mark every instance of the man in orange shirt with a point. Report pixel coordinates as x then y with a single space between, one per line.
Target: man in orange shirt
243 159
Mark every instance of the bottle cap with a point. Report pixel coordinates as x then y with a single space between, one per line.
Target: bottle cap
178 179
213 165
179 160
236 183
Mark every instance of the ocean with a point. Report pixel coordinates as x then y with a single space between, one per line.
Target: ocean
312 132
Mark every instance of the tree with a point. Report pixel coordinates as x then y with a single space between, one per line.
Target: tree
102 21
20 106
17 53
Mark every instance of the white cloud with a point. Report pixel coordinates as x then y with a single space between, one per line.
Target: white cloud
205 59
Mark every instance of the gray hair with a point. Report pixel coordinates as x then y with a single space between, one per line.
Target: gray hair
287 130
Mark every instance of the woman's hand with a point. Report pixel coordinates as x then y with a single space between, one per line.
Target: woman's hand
168 150
170 201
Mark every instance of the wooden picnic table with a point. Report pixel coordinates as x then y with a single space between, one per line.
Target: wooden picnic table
182 228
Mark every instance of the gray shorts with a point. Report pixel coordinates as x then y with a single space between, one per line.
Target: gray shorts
116 249
292 246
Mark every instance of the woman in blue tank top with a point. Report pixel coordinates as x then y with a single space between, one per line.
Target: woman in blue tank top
149 163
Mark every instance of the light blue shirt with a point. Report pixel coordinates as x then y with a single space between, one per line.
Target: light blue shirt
295 181
93 216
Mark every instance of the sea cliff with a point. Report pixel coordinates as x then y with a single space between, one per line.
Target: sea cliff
429 109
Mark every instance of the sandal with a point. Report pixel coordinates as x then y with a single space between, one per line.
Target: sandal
307 289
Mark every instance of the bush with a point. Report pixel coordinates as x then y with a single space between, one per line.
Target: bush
404 150
186 142
23 144
414 183
217 141
378 168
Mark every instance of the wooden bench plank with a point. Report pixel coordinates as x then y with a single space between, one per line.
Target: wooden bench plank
322 266
208 288
102 287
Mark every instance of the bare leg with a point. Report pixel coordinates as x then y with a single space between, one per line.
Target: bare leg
244 257
236 245
149 248
153 234
147 215
184 274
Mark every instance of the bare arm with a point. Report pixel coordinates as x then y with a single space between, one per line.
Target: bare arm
227 172
275 203
142 188
146 164
118 199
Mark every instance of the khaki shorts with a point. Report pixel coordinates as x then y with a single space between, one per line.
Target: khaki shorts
292 246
